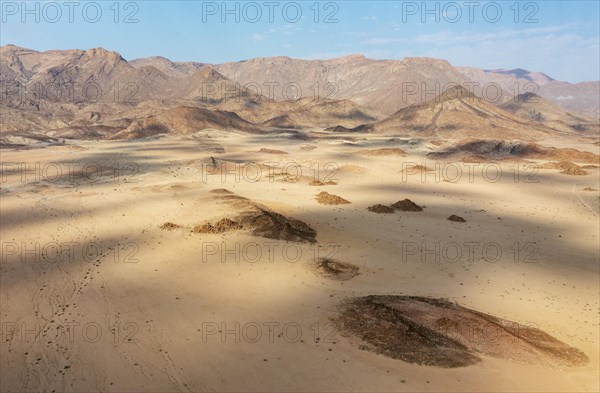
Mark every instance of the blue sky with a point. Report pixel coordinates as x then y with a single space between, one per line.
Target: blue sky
558 38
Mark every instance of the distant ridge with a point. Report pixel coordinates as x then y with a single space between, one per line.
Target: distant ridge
458 114
348 93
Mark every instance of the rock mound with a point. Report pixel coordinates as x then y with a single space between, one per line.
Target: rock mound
406 205
221 191
335 270
220 226
267 223
386 151
381 209
169 226
566 167
184 121
436 332
258 219
492 149
320 183
272 151
325 198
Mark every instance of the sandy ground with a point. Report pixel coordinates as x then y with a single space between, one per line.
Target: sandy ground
127 306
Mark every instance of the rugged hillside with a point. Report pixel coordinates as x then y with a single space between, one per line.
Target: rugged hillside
505 78
377 83
75 90
77 76
185 120
533 108
581 97
95 92
457 113
389 85
98 75
307 113
168 67
495 149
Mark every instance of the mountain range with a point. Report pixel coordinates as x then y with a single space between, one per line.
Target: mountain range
96 93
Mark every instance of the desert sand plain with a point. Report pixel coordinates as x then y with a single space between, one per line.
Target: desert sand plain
136 305
369 241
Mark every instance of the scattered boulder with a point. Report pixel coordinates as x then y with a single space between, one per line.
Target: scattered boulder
456 218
